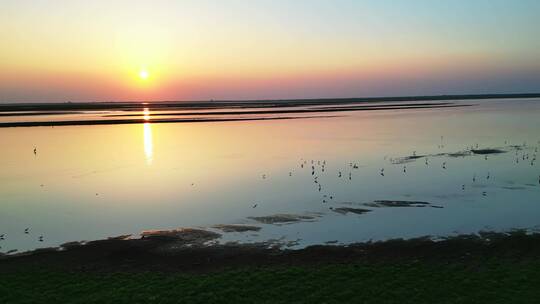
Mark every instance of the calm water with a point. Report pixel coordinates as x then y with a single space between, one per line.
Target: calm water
92 182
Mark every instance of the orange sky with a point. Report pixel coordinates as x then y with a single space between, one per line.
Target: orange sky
89 51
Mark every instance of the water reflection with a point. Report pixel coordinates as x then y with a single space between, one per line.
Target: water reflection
148 144
146 114
86 183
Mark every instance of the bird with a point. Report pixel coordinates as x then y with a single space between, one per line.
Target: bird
290 173
26 230
404 169
484 193
2 237
444 165
339 174
254 206
426 162
35 151
462 187
474 178
41 238
487 177
193 184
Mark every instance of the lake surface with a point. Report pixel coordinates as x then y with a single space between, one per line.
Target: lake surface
96 181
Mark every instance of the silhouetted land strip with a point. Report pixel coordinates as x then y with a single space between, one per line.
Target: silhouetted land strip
141 118
40 113
156 105
308 110
136 121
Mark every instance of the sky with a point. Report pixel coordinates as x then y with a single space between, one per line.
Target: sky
77 50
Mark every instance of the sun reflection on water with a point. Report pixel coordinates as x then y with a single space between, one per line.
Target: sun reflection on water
146 114
148 144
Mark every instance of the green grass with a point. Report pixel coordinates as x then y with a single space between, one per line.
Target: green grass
490 281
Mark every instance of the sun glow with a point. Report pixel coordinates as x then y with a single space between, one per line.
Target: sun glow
143 74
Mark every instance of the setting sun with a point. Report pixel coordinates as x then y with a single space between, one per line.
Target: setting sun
143 74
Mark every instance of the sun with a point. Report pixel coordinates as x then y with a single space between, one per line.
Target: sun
143 74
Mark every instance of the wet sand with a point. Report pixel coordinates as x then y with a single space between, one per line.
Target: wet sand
185 252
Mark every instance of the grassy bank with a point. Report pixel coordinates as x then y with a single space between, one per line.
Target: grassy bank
484 281
491 268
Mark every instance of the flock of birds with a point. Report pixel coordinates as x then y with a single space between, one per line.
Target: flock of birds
26 231
319 167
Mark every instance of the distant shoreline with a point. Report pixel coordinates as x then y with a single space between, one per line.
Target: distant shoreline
125 105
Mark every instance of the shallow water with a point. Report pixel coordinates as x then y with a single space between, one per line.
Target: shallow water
92 182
